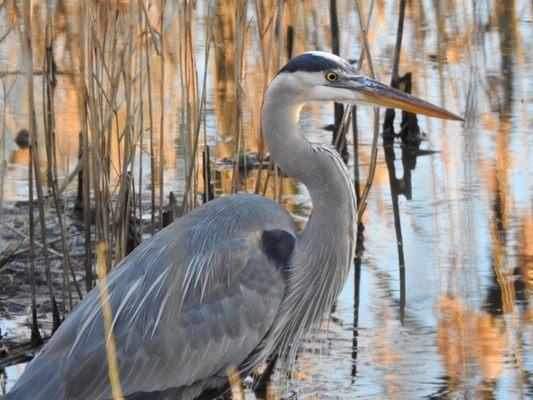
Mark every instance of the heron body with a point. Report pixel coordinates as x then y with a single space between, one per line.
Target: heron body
232 282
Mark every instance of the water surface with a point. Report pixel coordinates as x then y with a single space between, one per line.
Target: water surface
459 325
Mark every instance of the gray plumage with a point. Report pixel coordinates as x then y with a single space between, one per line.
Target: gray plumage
175 324
231 283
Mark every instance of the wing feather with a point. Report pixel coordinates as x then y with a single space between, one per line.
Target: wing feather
197 298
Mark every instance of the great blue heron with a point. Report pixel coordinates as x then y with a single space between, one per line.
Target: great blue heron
232 282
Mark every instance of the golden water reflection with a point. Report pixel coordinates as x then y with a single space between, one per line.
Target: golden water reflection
467 231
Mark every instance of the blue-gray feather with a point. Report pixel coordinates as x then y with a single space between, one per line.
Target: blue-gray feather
205 294
229 284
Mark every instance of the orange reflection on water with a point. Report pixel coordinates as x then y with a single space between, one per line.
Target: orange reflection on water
468 341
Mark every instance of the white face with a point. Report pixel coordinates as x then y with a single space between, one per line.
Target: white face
334 84
318 76
342 92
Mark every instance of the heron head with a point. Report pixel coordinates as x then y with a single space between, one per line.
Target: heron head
320 76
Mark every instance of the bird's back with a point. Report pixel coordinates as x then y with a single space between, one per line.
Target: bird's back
198 296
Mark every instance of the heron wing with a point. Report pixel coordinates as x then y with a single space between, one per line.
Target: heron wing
196 299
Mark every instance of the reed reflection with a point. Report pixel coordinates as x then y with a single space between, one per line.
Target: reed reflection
475 311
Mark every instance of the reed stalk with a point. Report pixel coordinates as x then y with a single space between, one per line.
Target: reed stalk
390 158
49 82
374 148
34 155
196 112
140 133
238 72
338 108
147 26
266 48
107 316
84 55
162 11
36 338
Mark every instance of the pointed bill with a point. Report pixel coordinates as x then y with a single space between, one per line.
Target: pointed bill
376 93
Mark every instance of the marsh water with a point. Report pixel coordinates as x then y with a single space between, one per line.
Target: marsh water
457 320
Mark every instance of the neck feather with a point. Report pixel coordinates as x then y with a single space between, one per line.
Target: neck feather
321 262
318 167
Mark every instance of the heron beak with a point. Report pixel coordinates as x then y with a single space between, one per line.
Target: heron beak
376 93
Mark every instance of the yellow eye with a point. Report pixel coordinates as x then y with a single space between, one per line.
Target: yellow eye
331 76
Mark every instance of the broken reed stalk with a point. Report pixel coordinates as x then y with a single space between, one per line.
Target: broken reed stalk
34 156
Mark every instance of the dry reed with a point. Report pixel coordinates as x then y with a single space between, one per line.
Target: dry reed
122 70
107 316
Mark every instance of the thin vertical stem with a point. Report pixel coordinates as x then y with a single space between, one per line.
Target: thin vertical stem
345 121
201 107
151 131
34 156
162 117
36 338
394 188
84 52
107 314
374 151
398 47
49 123
141 118
338 108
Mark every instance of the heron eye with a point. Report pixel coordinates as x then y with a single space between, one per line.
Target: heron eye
331 76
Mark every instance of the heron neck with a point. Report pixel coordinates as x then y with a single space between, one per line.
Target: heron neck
321 260
331 227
